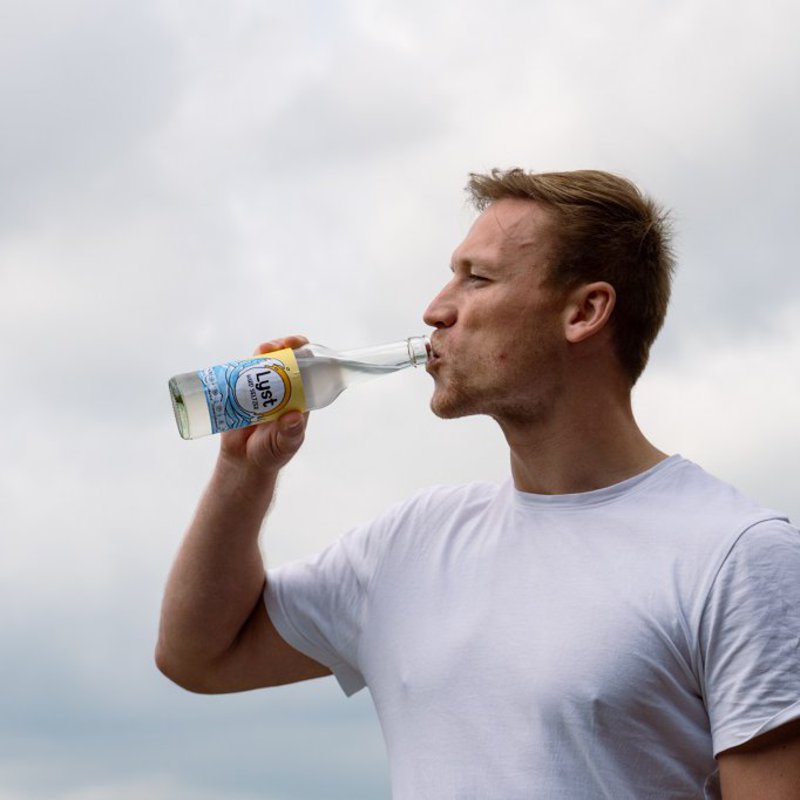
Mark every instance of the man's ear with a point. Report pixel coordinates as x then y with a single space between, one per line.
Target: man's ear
588 309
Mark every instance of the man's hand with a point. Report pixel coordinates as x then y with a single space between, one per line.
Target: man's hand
270 446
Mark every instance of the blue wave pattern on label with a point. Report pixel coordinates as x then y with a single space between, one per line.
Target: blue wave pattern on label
236 391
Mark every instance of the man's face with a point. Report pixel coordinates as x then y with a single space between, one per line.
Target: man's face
498 345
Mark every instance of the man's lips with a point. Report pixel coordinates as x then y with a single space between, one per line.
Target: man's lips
434 357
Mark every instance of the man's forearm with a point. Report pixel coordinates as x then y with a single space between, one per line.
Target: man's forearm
218 575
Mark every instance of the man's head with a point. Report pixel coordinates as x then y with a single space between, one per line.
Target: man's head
603 229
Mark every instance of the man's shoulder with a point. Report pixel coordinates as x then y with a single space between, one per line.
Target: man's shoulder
693 489
704 515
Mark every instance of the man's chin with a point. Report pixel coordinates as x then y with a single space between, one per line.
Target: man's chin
450 408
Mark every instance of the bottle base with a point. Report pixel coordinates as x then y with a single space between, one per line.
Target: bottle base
179 408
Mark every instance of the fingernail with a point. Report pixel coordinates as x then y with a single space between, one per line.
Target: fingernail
293 425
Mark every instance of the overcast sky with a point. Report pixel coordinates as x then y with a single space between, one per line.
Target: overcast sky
182 180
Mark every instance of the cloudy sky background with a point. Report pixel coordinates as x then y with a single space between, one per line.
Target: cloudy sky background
181 180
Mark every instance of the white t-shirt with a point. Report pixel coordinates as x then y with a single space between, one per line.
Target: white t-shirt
596 645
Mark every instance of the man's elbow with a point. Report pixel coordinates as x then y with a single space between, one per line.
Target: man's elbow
183 673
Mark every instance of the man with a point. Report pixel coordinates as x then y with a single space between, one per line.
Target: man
611 622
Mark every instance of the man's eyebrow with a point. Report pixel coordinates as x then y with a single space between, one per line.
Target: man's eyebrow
469 263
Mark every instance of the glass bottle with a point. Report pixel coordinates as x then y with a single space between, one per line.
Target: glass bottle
262 388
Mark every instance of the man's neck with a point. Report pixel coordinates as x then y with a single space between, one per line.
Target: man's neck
575 451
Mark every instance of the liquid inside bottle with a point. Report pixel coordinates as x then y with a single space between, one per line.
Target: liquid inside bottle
259 389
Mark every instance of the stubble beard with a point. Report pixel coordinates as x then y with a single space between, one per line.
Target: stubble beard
455 399
452 404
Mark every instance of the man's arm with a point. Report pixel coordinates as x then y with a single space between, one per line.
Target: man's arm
766 768
215 633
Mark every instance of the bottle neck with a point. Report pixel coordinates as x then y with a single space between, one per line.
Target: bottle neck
411 352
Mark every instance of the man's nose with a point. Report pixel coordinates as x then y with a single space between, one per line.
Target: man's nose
441 312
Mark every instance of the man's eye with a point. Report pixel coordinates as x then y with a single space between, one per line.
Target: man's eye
477 278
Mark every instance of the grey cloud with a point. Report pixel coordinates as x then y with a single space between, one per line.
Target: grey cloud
56 745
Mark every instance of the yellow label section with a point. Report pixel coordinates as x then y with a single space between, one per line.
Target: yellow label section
278 385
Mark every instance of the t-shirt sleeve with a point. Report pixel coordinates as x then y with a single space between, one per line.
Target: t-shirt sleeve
750 636
318 605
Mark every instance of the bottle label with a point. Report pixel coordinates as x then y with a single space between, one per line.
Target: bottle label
259 389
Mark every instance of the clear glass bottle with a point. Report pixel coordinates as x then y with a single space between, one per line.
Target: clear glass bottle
259 389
